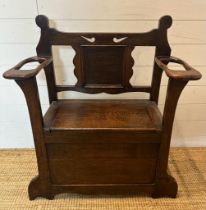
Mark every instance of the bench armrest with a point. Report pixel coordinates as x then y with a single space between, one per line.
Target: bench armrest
176 83
17 74
189 74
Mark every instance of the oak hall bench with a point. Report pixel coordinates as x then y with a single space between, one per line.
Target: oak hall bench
102 146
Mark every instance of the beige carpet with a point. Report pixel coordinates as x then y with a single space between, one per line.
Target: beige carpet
188 166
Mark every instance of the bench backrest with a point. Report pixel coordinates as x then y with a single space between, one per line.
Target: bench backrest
103 61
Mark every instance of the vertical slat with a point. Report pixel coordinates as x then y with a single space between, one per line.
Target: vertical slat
162 49
78 66
44 48
128 64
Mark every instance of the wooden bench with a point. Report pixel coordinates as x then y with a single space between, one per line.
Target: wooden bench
102 146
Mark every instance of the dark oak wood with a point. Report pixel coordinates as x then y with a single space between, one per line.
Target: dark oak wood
102 146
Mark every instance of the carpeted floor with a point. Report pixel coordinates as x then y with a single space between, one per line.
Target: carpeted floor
188 166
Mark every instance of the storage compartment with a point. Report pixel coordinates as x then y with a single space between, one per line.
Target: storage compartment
102 163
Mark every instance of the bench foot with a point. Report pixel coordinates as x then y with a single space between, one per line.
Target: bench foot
36 189
165 188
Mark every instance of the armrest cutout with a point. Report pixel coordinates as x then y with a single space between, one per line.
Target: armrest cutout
189 74
17 73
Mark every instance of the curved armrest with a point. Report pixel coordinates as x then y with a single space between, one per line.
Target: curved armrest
17 74
189 74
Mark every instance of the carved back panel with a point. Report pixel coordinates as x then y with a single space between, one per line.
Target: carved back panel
103 61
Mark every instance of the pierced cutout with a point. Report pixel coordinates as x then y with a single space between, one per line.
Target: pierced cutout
117 40
63 65
143 66
89 39
29 66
